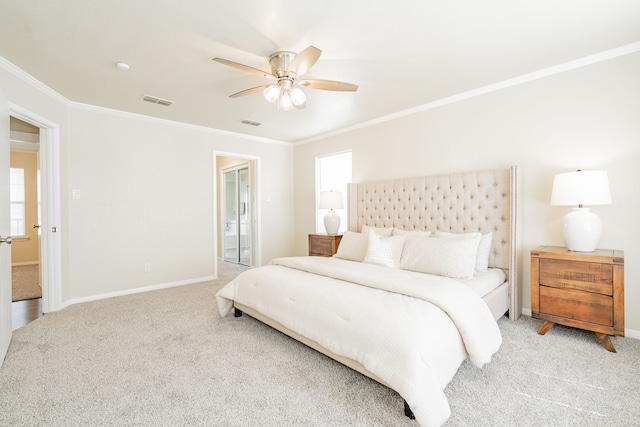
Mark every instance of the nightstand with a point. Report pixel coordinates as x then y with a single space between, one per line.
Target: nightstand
579 289
323 244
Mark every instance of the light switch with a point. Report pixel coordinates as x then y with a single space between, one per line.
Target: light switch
75 194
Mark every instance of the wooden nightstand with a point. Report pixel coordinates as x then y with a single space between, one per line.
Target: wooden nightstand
579 289
323 245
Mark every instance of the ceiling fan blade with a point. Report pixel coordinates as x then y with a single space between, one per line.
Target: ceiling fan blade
304 61
249 91
243 67
329 85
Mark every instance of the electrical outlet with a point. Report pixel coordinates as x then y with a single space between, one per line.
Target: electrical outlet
147 267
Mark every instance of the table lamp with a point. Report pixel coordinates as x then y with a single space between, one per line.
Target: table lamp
331 200
581 228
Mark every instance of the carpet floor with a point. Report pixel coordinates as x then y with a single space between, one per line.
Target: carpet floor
167 358
25 282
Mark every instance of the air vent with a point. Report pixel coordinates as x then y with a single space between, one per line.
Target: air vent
156 100
250 122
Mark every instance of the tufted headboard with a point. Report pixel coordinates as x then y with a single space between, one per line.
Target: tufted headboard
482 201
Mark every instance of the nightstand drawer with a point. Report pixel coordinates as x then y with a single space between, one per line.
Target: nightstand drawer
577 305
321 246
584 276
324 245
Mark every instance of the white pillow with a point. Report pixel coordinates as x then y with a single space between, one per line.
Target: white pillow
385 232
410 233
353 246
384 250
447 257
484 248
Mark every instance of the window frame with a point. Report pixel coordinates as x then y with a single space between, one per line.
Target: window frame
18 224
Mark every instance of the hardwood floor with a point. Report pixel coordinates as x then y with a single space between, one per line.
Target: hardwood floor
23 312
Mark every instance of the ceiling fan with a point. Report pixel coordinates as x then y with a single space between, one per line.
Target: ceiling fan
286 69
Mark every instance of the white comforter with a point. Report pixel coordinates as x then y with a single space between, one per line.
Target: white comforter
411 330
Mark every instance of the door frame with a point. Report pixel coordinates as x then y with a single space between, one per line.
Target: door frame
254 179
50 254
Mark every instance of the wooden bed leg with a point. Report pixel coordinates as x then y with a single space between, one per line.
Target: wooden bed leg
237 312
407 411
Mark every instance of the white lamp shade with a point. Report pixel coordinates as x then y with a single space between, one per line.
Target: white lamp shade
272 93
284 102
298 97
581 188
331 200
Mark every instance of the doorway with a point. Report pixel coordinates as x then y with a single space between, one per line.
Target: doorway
47 145
236 215
236 220
24 183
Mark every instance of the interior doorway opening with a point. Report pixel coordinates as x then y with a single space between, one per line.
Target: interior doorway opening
25 218
236 210
47 145
236 214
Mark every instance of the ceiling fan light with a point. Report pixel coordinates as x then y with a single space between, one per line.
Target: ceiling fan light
284 102
298 96
272 93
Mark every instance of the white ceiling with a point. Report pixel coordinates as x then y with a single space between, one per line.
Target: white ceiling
402 53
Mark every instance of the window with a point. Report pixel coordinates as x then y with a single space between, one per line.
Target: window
333 172
17 201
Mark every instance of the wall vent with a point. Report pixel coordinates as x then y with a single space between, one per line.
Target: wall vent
250 122
156 100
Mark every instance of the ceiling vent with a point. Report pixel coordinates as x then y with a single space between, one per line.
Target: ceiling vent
250 122
156 100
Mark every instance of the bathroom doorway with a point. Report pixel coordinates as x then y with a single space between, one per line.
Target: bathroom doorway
236 212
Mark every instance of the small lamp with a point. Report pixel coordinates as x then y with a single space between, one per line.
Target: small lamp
580 227
331 200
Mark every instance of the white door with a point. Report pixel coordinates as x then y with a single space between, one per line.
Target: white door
5 249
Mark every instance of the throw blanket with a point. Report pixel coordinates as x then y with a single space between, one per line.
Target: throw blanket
411 330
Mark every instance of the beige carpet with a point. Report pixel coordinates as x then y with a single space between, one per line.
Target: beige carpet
25 282
166 358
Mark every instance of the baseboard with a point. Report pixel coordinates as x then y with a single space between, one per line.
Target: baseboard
19 264
136 290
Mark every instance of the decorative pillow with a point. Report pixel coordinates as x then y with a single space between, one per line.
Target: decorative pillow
447 257
385 232
353 246
484 248
410 233
384 250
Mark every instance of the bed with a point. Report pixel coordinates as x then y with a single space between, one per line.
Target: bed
426 268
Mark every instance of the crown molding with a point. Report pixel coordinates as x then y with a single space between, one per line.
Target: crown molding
525 78
32 81
37 84
142 117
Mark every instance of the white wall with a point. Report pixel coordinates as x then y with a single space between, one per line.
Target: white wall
586 118
148 197
147 194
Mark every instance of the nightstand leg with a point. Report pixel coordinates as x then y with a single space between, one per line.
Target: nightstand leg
545 327
604 338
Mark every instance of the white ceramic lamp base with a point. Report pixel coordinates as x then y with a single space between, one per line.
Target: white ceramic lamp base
581 229
332 223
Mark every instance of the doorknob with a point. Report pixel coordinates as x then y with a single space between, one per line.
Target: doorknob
6 240
36 226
